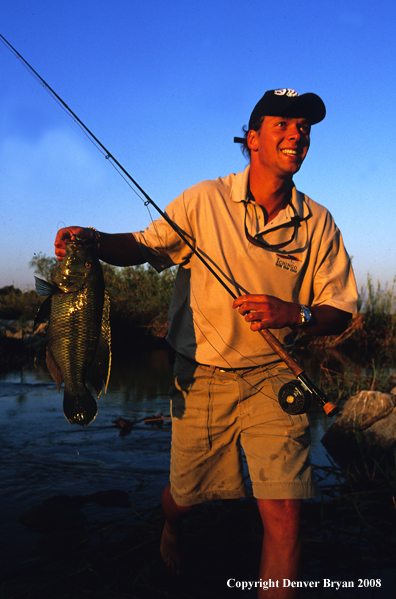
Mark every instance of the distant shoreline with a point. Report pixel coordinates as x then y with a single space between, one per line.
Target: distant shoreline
19 344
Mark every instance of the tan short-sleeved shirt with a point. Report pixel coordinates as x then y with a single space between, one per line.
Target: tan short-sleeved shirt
312 268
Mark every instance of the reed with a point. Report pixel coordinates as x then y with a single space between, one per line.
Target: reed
379 309
341 383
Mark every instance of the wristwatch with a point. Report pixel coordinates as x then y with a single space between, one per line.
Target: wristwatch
306 315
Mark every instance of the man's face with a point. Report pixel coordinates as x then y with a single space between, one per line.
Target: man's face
280 145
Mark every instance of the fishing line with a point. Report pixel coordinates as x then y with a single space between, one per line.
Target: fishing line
272 341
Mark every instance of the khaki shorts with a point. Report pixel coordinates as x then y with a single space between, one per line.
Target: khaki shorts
214 413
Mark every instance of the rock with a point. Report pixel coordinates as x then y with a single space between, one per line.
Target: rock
111 498
368 419
59 512
16 328
63 512
383 432
365 408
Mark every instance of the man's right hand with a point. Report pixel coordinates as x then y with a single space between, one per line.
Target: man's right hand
66 234
119 249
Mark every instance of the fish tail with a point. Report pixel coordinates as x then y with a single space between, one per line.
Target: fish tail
79 409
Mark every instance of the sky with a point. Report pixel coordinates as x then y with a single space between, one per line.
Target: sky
165 85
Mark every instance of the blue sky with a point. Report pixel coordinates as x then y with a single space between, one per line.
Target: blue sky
165 85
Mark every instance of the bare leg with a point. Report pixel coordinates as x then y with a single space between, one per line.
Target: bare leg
170 550
280 556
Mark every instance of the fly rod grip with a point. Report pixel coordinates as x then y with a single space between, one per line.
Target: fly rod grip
282 353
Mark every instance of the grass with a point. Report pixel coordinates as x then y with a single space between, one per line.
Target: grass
361 503
370 331
339 384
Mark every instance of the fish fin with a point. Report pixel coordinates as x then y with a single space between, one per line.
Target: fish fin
81 409
54 369
43 287
43 312
99 371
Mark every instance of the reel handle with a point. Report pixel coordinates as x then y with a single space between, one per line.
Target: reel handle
330 408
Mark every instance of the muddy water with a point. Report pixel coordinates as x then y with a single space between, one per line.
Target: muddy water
42 455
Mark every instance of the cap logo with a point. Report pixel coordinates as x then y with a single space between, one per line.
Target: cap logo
290 93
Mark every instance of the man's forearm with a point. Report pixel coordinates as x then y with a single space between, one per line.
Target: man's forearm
269 312
119 249
327 320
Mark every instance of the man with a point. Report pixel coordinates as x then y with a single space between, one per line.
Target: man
283 258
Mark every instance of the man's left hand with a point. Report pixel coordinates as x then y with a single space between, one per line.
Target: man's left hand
268 312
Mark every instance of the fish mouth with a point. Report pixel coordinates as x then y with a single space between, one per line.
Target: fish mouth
78 242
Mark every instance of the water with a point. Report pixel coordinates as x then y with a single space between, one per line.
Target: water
42 455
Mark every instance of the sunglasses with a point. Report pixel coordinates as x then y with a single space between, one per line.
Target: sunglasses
258 239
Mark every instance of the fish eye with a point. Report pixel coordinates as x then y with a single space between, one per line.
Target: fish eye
87 265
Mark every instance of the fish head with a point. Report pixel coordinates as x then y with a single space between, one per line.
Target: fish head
79 267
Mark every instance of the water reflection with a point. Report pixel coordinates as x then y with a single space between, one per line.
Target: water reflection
143 378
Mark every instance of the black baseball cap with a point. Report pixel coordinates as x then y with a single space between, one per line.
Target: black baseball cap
287 103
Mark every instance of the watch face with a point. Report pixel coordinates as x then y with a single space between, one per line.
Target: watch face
305 314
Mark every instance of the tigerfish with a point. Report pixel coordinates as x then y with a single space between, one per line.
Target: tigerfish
79 345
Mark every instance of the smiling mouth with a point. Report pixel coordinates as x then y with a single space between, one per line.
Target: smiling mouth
290 152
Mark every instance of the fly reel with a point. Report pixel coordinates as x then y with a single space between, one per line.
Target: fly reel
294 398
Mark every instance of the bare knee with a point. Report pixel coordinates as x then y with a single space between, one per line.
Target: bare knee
280 517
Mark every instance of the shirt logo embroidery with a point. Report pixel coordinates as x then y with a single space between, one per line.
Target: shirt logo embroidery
287 262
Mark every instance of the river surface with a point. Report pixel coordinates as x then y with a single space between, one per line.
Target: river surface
42 455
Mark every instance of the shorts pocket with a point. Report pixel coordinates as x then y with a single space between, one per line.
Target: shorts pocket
190 432
189 409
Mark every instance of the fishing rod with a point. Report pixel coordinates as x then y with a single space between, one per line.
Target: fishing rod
294 397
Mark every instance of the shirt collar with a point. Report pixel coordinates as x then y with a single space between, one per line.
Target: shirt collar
239 193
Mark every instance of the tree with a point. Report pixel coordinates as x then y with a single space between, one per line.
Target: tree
43 265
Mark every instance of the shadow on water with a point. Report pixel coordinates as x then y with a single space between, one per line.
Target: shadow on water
95 545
